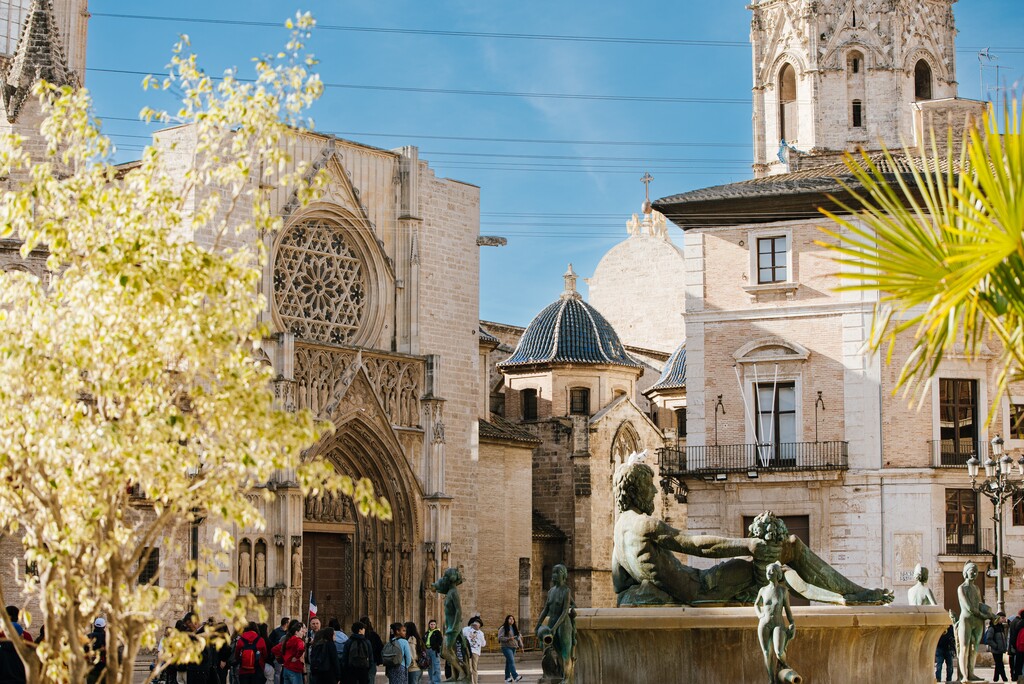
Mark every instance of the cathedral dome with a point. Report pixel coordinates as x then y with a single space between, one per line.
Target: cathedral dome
674 374
569 331
638 286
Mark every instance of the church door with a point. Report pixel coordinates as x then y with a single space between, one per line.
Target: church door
327 573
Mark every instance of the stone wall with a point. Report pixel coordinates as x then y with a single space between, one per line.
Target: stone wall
503 516
449 314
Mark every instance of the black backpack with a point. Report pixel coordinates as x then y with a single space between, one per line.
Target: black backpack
318 658
358 654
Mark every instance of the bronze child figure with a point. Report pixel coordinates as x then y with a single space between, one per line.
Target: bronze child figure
771 604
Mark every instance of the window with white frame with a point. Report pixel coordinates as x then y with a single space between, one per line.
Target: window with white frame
772 259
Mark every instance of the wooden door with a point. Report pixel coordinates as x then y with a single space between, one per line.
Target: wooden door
327 573
950 582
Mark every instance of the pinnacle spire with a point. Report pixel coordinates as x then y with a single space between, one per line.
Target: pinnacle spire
570 284
39 55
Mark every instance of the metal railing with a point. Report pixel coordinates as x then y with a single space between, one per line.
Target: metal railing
736 458
949 454
961 542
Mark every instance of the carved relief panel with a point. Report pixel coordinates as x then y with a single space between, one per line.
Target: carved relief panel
397 382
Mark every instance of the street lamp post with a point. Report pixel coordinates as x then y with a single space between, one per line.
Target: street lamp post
997 488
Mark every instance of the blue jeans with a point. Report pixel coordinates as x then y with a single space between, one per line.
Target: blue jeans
943 657
435 666
289 677
510 662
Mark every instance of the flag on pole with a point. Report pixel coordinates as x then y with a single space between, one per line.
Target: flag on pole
312 606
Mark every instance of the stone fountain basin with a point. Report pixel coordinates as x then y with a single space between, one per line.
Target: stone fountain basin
833 644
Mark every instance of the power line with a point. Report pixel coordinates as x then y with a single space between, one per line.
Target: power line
485 93
432 154
628 40
465 138
438 32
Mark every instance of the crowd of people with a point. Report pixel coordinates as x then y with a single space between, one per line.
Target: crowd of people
1003 639
295 653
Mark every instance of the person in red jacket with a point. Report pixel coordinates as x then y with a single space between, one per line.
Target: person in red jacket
291 651
251 655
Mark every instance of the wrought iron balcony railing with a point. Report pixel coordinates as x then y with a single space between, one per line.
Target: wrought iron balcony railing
947 453
965 542
710 460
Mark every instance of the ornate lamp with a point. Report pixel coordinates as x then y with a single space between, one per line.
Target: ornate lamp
972 466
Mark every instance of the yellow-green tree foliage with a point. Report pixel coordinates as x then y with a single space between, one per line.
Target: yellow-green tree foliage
944 247
132 363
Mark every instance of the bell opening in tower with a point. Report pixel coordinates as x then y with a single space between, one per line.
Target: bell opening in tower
789 118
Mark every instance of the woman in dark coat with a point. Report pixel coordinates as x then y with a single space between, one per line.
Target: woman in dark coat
323 658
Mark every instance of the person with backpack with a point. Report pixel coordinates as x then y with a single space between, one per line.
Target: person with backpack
945 653
98 645
357 657
397 655
222 659
997 646
324 666
420 661
433 641
268 664
272 640
291 651
1016 657
250 655
12 670
378 646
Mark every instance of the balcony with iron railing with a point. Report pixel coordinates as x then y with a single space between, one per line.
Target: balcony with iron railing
965 542
947 453
707 461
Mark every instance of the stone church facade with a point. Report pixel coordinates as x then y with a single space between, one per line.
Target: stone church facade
373 298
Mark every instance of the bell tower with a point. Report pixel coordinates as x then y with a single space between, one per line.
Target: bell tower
38 39
834 75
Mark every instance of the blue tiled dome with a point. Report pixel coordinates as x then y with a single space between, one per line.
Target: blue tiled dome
674 374
569 331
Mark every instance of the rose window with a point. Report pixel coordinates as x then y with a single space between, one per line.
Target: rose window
319 283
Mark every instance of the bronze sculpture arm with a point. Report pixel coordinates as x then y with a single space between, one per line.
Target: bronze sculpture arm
815 571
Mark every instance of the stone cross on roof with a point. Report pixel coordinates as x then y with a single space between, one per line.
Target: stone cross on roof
646 180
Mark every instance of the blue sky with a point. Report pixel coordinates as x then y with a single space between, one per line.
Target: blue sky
556 202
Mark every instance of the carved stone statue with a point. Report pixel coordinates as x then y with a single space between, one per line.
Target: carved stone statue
404 580
633 226
261 570
772 608
244 569
368 581
387 582
646 570
454 644
297 567
920 594
559 634
430 572
971 624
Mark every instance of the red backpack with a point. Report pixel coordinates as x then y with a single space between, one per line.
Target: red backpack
249 656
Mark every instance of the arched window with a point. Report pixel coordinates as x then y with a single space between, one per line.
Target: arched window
789 119
854 62
857 115
922 80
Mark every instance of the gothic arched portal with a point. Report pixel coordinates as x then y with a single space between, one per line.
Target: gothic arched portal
356 565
